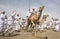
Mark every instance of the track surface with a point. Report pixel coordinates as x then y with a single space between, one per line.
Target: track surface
28 35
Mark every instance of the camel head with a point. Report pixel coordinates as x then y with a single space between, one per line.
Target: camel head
41 8
45 16
40 12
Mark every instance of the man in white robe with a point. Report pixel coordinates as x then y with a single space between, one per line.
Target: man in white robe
6 23
47 24
17 21
32 12
2 20
11 25
57 25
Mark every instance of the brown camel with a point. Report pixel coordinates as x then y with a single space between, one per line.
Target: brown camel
41 21
33 18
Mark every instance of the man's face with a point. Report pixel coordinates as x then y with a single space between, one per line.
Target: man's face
3 12
18 15
33 9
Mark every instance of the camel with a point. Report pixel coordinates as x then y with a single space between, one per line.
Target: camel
33 18
41 21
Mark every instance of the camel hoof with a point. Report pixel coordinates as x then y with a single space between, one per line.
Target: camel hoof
3 34
41 31
9 34
45 38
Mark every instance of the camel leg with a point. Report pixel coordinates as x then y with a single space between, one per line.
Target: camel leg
32 25
33 28
27 25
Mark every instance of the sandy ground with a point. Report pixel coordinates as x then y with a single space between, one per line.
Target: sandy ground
28 35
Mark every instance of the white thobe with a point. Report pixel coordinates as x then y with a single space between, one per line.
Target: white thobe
17 23
11 20
35 12
2 20
57 24
45 24
10 27
1 26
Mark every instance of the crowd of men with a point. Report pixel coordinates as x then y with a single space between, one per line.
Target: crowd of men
14 23
9 24
55 24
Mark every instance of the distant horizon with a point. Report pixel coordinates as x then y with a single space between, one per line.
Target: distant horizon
52 7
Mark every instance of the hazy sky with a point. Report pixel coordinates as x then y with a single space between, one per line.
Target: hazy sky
52 7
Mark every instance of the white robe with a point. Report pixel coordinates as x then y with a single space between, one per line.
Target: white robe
10 20
49 24
5 24
2 19
35 12
45 24
31 13
57 24
17 21
10 27
1 26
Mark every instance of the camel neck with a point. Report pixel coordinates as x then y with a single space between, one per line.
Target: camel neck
39 15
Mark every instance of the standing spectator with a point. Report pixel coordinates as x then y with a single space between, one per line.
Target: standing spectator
2 20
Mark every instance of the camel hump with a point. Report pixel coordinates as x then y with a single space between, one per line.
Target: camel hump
32 15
